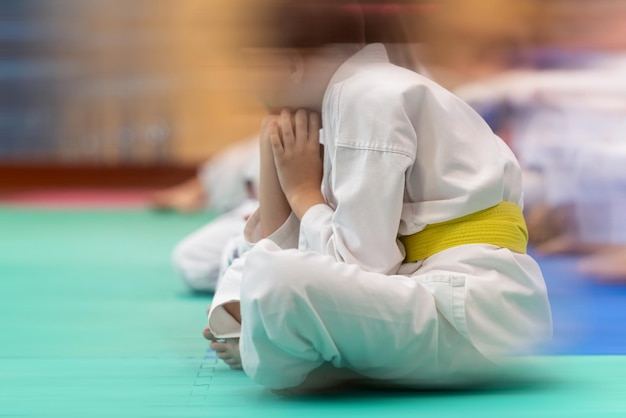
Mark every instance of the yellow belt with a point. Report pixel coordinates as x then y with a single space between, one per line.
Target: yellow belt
502 225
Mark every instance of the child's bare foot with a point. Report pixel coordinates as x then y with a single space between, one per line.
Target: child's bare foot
609 265
226 349
187 197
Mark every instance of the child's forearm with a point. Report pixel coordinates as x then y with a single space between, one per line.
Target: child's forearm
301 202
274 208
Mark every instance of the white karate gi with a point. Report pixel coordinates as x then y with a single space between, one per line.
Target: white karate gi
199 257
400 153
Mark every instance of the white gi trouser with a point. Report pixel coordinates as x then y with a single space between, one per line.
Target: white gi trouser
200 257
399 154
442 320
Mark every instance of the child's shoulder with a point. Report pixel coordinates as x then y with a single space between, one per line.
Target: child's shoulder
387 77
386 85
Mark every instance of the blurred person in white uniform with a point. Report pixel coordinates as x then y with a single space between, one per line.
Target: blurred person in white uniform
567 128
601 206
220 182
227 185
565 112
396 257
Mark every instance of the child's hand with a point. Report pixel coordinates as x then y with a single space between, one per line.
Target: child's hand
266 127
274 208
296 148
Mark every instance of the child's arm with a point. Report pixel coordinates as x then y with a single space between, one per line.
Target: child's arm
298 160
368 185
274 208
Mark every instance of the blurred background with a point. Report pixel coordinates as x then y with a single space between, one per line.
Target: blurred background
116 82
137 104
154 85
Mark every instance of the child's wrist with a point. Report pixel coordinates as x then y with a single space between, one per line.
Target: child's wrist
302 201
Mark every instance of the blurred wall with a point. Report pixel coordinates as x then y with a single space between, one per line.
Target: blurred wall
156 81
142 81
582 24
468 40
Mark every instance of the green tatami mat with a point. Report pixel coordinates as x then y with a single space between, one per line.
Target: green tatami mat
94 322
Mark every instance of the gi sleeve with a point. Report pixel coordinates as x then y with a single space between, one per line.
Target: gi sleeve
368 186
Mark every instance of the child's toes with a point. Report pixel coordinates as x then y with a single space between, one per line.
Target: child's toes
218 346
233 363
208 334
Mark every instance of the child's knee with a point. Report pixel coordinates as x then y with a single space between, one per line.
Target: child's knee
517 330
181 256
277 279
199 274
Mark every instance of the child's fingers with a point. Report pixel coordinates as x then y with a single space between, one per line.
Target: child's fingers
314 126
266 124
302 124
286 128
275 140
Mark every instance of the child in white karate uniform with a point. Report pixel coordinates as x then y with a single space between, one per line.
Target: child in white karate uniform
399 256
227 184
229 181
